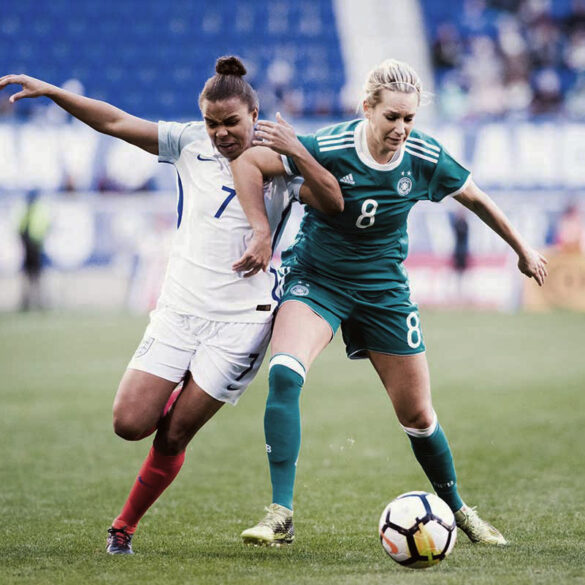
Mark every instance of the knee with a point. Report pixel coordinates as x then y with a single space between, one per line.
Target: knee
420 419
129 428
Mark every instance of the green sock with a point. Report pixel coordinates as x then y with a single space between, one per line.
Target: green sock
282 425
434 455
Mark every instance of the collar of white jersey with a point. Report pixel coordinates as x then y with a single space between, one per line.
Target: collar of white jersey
361 147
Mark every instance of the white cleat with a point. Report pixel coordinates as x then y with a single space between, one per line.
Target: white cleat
478 530
275 529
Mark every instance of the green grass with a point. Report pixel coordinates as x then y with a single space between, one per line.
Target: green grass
509 390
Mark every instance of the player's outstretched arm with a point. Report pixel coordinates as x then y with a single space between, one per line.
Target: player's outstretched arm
530 261
320 189
101 116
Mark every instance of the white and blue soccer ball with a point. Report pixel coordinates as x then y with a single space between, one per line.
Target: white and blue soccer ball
417 530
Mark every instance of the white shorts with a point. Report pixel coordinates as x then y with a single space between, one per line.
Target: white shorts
223 357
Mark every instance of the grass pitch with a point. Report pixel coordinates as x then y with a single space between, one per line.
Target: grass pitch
509 390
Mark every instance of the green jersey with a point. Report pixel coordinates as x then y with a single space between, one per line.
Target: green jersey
366 244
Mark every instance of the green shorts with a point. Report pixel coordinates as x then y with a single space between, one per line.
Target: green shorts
382 321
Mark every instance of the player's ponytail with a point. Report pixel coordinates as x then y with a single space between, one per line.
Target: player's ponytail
228 82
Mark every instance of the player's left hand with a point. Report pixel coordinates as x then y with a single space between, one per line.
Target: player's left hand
279 136
257 255
533 264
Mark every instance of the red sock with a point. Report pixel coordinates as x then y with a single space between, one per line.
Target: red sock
156 474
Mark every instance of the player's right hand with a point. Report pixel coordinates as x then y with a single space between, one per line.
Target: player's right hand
280 136
257 255
31 87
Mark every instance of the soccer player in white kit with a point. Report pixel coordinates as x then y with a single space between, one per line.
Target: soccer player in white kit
212 325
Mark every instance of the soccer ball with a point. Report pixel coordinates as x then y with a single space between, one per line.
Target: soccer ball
417 530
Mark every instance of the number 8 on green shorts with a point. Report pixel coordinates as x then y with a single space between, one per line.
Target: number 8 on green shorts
384 321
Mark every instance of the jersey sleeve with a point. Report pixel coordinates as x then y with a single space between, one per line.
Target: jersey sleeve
173 137
310 143
450 177
294 187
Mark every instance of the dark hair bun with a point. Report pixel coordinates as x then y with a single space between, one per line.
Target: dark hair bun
230 66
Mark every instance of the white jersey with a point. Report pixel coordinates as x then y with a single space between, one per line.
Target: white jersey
212 232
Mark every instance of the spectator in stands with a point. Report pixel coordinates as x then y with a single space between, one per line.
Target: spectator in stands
575 100
484 72
447 47
33 228
460 250
453 97
570 236
274 94
575 19
547 98
514 56
545 42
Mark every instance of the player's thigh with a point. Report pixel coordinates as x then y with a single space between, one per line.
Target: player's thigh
300 331
407 382
308 317
191 411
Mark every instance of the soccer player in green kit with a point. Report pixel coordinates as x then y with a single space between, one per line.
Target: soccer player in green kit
347 270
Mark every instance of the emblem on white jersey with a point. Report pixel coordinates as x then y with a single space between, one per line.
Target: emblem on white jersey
144 346
348 179
299 290
404 185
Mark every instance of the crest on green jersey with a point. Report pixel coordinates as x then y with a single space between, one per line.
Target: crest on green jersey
300 290
404 185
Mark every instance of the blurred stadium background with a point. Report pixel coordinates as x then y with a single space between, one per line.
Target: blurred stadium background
507 76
